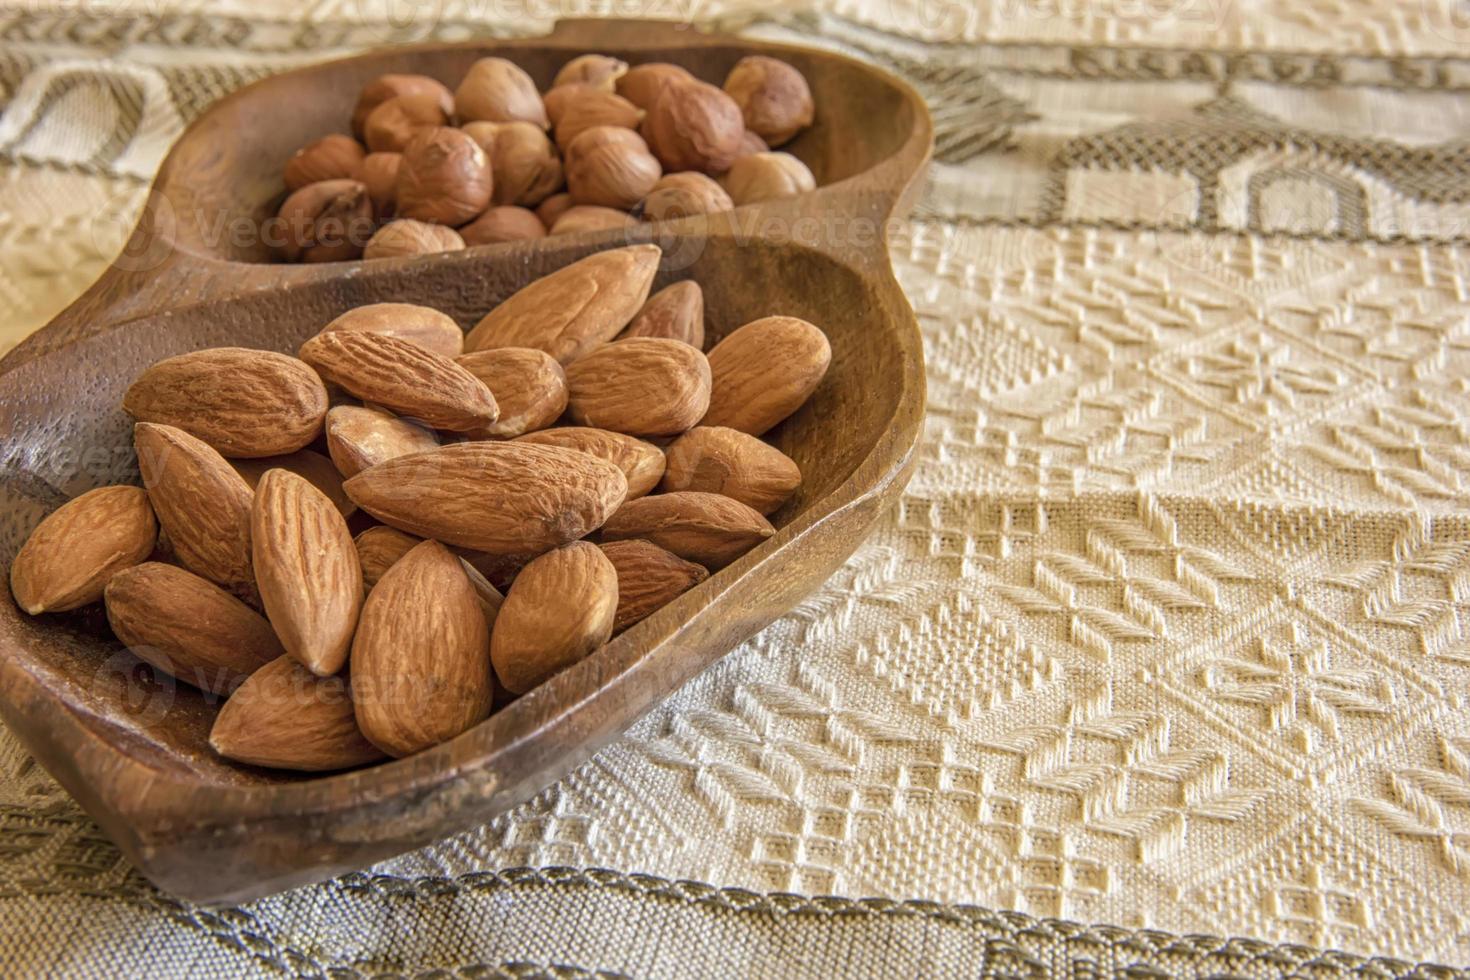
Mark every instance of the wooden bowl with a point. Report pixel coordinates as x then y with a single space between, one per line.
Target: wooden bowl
132 749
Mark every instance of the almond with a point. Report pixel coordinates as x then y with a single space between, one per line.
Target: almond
498 497
560 609
378 548
649 578
764 371
306 569
421 657
311 466
499 570
488 596
69 557
188 627
285 717
675 312
642 462
402 377
701 527
575 308
201 502
242 402
646 386
359 437
726 461
529 386
418 325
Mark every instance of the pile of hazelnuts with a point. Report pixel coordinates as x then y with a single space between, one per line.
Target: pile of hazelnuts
430 170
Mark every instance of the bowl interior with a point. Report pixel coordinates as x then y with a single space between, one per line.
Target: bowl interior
223 178
67 434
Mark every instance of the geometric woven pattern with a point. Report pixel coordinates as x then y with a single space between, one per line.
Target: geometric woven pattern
1170 631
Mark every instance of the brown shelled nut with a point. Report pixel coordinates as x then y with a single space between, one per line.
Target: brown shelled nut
767 176
67 560
559 610
773 97
529 385
523 162
559 99
496 90
682 194
694 126
444 177
676 312
332 157
406 236
599 70
594 107
379 173
359 437
329 221
643 84
649 578
386 87
716 459
422 326
553 208
506 223
611 167
641 463
751 143
590 217
392 124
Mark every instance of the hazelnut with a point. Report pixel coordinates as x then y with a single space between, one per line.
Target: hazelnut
598 70
328 221
694 126
590 217
557 99
767 176
773 97
751 143
643 83
523 162
594 107
386 87
682 194
553 207
496 90
503 224
444 177
404 237
392 124
379 172
610 166
329 158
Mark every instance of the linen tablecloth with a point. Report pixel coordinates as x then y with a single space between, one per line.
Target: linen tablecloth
1171 631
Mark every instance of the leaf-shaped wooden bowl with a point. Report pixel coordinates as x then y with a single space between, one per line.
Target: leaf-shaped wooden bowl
132 749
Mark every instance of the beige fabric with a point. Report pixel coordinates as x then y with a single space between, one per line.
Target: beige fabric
1169 631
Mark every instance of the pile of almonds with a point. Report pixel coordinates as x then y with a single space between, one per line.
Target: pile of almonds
234 568
430 170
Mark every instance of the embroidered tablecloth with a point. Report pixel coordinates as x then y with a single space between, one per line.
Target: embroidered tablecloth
1171 631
